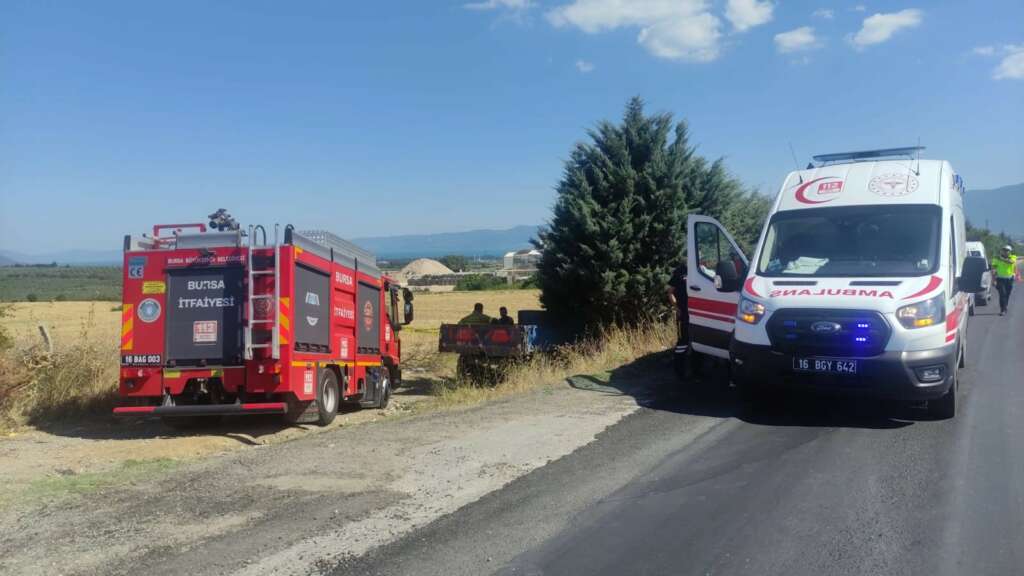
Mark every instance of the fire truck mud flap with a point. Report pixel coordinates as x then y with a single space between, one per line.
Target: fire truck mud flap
204 409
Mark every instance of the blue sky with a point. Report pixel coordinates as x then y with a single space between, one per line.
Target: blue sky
380 118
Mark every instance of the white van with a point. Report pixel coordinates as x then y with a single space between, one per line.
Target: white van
977 250
858 283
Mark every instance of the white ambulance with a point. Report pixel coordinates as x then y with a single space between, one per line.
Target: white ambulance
860 282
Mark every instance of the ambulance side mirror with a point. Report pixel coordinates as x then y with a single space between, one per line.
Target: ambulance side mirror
727 278
970 277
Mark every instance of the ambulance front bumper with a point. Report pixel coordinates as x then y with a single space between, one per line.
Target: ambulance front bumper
895 375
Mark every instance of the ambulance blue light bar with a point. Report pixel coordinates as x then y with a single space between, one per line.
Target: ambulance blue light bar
909 152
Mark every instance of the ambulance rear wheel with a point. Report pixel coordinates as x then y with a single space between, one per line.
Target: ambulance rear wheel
327 398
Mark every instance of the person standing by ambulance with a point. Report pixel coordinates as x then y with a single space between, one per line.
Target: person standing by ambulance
677 296
1005 267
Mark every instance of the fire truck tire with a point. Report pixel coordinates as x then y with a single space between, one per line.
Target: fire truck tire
384 394
327 398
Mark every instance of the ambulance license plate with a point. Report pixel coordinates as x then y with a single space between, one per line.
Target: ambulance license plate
825 365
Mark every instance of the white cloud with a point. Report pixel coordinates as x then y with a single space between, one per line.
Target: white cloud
824 13
879 28
1012 66
860 8
496 4
984 50
671 29
798 40
585 67
745 14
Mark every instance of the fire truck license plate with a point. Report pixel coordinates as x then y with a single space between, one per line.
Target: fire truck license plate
827 365
140 360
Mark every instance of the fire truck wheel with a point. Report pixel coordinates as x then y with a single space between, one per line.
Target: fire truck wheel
327 397
384 394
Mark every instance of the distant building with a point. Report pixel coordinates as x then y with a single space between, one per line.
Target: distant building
520 265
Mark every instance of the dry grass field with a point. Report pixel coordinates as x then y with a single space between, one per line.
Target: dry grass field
66 322
80 377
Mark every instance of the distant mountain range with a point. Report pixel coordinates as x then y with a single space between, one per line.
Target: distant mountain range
471 243
72 257
999 210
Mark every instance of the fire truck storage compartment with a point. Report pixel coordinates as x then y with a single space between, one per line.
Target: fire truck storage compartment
312 313
204 316
367 318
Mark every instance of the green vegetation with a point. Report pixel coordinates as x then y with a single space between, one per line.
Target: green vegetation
473 282
618 228
75 283
455 262
128 472
6 340
993 242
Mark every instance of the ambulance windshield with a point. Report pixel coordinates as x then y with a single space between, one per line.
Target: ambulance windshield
853 241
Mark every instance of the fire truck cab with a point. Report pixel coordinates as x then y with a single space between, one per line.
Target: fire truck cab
217 322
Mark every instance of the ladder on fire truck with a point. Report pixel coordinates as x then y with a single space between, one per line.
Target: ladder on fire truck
275 328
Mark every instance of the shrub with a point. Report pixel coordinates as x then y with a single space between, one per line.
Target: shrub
36 386
481 282
32 297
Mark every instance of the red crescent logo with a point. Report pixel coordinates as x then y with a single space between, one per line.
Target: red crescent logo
749 287
933 283
801 191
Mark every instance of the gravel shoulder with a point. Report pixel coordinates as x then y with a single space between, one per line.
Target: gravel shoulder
288 502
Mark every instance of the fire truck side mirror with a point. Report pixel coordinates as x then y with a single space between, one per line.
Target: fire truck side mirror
407 309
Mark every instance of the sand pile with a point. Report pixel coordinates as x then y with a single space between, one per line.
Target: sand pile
424 267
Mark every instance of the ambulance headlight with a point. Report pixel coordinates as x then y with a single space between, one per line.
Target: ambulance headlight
922 314
749 311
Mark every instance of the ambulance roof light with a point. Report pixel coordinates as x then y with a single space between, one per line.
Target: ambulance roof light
908 152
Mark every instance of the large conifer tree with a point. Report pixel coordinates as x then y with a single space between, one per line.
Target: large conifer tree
618 227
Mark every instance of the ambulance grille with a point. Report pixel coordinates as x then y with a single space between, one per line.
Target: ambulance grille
827 332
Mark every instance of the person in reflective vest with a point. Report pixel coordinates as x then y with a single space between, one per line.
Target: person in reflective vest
1005 267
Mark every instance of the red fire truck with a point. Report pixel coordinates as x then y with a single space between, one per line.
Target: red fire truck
216 321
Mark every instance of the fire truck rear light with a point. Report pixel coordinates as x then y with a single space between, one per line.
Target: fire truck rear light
140 373
261 369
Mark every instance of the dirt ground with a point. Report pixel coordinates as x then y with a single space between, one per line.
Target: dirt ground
33 458
267 500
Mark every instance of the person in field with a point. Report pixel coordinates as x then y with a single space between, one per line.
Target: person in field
477 317
503 317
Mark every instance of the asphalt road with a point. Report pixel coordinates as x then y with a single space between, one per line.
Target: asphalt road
813 486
